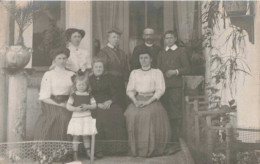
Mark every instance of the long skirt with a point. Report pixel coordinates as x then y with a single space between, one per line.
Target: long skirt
148 129
52 124
111 138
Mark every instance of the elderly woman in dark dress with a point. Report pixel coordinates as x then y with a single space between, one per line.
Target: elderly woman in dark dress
111 137
116 63
55 89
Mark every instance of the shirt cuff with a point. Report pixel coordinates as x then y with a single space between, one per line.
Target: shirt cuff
177 72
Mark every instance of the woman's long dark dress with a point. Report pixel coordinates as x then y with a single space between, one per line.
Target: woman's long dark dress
112 136
117 68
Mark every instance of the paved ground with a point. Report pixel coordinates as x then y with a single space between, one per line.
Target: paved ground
182 157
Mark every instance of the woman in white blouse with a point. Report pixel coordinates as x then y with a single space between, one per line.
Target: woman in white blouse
79 58
147 122
54 92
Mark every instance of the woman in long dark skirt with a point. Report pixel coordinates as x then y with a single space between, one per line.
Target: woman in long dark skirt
148 126
111 138
55 89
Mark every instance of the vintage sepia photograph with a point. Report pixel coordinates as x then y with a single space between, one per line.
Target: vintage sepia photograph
129 82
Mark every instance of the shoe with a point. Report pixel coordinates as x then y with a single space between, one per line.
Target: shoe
99 155
88 153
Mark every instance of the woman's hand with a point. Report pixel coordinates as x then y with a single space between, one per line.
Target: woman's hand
107 104
170 73
62 105
101 106
145 103
138 104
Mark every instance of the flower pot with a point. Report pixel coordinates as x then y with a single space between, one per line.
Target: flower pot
235 8
17 57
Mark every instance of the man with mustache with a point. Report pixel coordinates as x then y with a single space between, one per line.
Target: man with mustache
149 46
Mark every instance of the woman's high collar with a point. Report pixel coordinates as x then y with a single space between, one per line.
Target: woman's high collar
71 46
146 68
59 69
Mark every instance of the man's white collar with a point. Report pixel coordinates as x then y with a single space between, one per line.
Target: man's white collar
148 45
110 45
174 47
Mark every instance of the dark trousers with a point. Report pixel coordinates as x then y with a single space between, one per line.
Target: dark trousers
172 102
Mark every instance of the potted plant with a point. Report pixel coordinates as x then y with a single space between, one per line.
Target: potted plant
196 57
18 55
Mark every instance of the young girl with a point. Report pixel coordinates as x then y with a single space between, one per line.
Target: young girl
81 124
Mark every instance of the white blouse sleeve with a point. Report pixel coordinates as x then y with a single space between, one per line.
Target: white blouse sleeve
45 91
92 101
70 100
159 84
130 90
87 59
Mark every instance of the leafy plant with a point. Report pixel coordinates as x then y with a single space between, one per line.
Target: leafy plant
211 16
225 69
23 16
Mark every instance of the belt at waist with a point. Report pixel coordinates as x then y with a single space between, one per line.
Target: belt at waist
59 98
145 94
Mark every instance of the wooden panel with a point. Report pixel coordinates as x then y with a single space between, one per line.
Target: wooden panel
33 110
33 104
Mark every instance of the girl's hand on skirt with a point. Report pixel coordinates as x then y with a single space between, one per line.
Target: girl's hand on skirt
85 107
78 109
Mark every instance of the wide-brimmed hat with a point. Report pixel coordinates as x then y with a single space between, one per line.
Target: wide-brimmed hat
70 31
58 51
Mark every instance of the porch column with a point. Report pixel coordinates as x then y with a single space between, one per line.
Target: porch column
17 91
79 15
4 41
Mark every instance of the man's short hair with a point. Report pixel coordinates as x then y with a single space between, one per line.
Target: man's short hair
148 28
172 32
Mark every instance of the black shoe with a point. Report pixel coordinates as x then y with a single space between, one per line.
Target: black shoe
99 155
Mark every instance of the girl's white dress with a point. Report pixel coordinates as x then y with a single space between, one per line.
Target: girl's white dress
81 123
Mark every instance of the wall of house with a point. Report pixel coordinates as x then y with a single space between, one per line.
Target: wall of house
248 104
247 90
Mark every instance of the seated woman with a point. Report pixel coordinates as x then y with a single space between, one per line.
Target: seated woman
55 89
147 122
110 122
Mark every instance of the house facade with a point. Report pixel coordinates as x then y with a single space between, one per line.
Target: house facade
131 17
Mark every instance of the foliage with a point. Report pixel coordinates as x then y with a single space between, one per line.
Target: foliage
218 158
211 17
225 69
56 155
23 16
251 157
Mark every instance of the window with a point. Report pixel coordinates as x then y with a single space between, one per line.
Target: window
48 30
145 14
